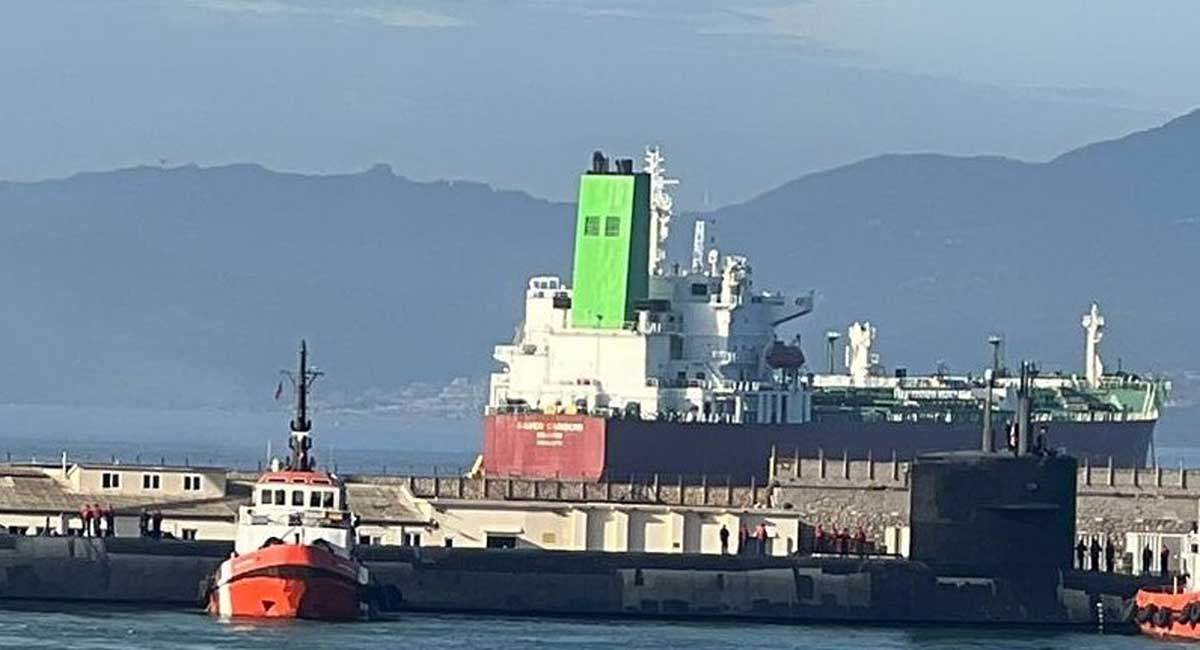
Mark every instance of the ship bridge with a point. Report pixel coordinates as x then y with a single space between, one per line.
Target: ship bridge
633 337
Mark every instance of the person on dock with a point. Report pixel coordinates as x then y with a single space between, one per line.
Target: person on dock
743 540
1110 554
143 523
110 521
1080 551
843 538
1147 559
819 539
760 536
1164 559
85 518
724 534
860 541
156 526
1095 554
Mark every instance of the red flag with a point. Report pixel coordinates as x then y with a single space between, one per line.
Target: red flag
279 390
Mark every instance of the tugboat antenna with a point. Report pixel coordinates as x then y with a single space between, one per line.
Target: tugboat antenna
300 441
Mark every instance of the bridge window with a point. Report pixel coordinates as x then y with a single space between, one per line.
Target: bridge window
591 226
699 289
280 498
298 498
327 499
191 483
314 499
264 497
612 226
151 481
110 480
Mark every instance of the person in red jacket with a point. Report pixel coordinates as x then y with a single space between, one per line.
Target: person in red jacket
760 535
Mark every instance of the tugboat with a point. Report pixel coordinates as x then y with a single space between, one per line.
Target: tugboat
1173 612
293 556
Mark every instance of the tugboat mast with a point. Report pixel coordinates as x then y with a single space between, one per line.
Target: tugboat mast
300 441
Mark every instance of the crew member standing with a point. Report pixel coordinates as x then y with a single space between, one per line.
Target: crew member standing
760 534
1164 558
1080 550
743 539
724 534
1110 553
1147 559
860 540
1095 553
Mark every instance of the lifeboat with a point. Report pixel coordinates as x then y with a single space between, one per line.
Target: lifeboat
293 555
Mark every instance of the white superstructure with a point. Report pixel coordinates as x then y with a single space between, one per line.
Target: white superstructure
696 352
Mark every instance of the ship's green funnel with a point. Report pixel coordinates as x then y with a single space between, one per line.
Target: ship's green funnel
612 249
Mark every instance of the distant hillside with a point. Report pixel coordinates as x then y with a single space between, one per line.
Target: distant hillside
939 251
193 286
190 286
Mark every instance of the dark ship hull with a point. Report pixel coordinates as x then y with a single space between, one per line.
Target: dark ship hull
580 447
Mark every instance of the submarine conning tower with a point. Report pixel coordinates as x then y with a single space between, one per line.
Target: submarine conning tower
993 513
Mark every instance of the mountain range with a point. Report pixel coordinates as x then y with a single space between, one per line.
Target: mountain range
189 286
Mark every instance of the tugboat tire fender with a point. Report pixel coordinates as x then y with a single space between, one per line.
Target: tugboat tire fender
1144 614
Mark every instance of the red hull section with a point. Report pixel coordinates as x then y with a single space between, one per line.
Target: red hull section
545 446
580 447
1169 615
287 581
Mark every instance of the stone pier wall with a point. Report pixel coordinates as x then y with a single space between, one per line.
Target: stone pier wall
844 493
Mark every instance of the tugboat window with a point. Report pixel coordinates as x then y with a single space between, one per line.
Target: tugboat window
314 500
327 499
297 497
280 498
591 226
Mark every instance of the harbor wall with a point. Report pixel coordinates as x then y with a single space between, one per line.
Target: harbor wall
109 570
842 493
638 584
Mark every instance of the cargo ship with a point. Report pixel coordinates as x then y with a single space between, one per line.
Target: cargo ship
640 367
293 553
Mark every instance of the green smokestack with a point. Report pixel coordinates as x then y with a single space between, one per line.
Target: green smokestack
612 245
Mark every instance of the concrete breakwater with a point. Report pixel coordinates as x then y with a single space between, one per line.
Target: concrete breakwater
113 570
842 493
170 572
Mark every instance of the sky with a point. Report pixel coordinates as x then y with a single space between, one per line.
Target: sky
742 94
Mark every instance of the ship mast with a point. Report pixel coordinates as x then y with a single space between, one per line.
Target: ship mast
300 441
660 209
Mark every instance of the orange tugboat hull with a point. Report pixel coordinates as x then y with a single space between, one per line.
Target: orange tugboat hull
1168 615
288 581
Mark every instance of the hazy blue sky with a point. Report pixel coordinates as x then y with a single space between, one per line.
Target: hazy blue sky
744 94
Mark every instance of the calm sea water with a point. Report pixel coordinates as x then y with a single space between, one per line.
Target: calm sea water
94 628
